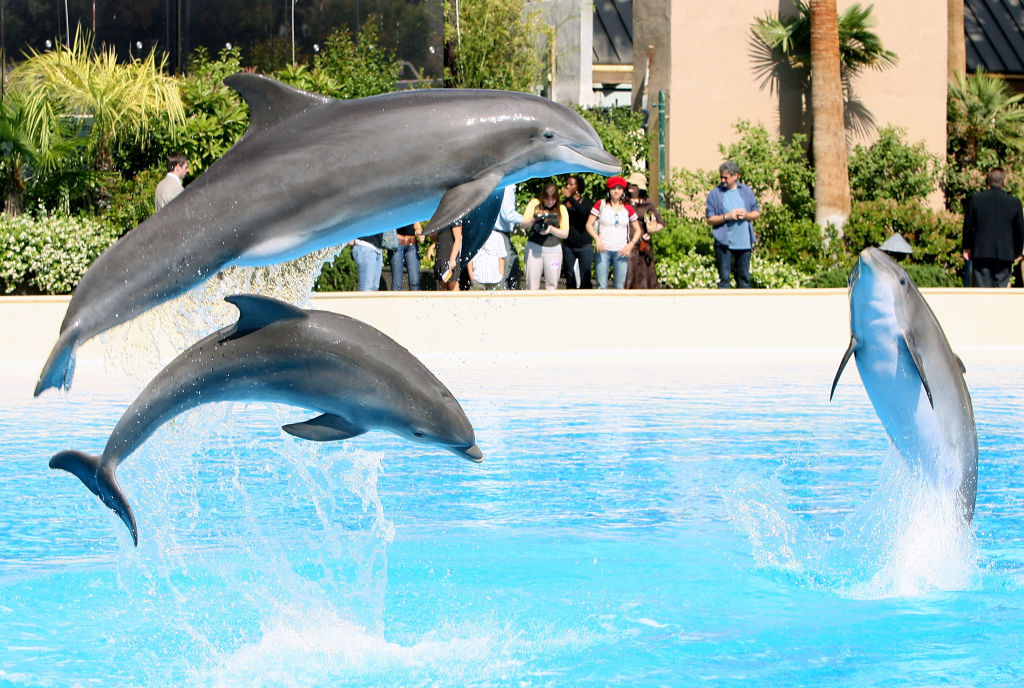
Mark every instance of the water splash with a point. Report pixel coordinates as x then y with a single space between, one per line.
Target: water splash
908 539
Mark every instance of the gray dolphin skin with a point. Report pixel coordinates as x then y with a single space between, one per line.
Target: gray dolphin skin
356 377
312 172
911 375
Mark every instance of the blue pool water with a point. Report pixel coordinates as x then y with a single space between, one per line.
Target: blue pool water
640 526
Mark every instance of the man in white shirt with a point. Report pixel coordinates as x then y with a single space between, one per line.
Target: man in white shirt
170 186
487 268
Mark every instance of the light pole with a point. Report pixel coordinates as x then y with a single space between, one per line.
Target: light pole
293 33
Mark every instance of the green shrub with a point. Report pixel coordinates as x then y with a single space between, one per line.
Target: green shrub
691 271
934 236
680 236
892 168
49 254
773 167
833 278
131 200
339 275
930 275
766 273
797 241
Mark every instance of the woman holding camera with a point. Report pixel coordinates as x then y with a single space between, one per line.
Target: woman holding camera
547 221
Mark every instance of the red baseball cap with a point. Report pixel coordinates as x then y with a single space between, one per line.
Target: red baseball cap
616 181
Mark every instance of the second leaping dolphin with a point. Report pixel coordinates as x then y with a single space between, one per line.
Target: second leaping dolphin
354 375
313 172
912 377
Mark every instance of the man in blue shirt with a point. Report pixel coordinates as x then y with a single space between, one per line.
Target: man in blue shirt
730 209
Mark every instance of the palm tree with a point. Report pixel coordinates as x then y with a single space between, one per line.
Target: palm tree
956 47
34 141
780 48
119 100
983 112
832 182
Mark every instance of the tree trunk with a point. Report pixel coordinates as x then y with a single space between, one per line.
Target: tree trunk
956 47
832 184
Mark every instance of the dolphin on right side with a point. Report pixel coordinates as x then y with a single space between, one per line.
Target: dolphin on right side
914 380
353 375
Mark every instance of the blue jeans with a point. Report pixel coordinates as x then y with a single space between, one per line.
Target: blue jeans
409 256
370 263
619 265
730 261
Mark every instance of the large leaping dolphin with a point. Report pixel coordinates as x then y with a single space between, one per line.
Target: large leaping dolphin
313 172
913 378
354 375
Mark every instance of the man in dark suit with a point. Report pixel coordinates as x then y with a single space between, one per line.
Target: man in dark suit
993 232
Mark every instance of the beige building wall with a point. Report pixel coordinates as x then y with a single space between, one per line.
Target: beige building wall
712 82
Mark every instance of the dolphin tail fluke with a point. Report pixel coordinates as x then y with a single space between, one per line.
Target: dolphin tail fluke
60 366
100 480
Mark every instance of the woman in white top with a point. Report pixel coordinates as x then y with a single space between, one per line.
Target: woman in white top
610 223
547 221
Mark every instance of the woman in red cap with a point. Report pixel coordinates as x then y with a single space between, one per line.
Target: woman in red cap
616 229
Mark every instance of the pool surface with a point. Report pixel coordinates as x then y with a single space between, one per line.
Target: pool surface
630 525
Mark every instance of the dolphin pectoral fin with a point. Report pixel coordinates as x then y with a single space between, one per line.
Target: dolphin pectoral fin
842 365
325 428
100 480
256 312
915 355
459 201
477 226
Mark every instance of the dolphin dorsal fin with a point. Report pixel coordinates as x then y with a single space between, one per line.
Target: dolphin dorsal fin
255 312
271 101
842 364
959 362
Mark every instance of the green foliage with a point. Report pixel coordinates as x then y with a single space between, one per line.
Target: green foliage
891 168
833 278
692 270
766 273
924 275
797 241
131 201
347 66
934 236
339 275
496 44
680 237
985 129
49 254
773 167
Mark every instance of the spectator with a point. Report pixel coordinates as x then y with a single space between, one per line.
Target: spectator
578 247
610 225
730 209
993 232
407 255
170 186
641 273
507 217
547 221
446 249
487 268
369 258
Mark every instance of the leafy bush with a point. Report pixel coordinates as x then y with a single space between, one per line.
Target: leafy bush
340 274
891 168
774 168
934 236
766 273
833 278
797 241
693 270
49 254
680 236
930 275
131 201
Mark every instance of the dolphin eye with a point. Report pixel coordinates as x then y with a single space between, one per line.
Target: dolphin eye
548 135
418 434
903 281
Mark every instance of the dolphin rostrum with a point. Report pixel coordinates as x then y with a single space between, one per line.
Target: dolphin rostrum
312 172
354 375
912 377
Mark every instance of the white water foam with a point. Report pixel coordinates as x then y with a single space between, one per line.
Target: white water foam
909 539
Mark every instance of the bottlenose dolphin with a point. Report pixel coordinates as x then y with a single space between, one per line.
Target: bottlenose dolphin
312 172
912 377
357 377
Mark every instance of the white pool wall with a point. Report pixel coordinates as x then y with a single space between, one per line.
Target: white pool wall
594 327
